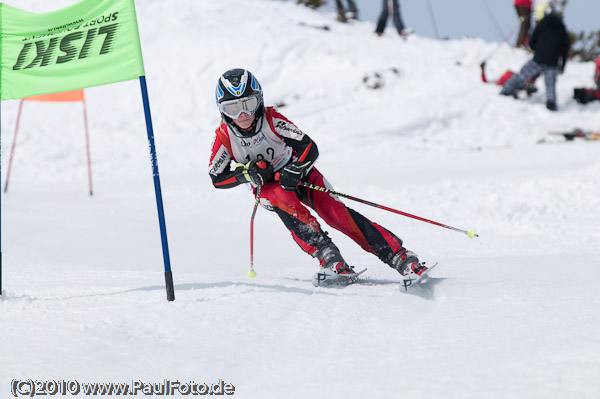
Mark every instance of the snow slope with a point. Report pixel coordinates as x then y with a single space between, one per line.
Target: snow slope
512 314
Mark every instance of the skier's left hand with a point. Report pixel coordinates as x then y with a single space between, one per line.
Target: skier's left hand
290 176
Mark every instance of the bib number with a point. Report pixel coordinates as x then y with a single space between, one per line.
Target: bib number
270 153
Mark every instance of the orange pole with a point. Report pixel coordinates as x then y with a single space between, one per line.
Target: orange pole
87 147
12 149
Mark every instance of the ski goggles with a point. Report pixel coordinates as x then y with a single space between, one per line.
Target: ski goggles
234 108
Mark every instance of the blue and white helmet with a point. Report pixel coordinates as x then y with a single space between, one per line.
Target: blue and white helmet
237 84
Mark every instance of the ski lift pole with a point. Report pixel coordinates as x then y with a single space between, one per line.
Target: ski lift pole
494 20
506 39
469 233
433 20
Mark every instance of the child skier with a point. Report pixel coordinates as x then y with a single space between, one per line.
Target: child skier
343 15
394 7
251 133
585 95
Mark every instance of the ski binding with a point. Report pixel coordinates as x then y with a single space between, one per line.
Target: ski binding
326 277
413 279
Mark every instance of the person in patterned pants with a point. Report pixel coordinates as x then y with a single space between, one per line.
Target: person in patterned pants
551 44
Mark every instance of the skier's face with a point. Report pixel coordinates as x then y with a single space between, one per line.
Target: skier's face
244 121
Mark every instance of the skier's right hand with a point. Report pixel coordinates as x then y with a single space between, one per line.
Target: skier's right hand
257 172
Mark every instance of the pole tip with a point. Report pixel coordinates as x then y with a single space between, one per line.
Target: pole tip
472 234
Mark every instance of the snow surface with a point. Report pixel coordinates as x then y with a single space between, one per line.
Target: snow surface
512 314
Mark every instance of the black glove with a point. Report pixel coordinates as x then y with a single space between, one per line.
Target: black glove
291 174
257 172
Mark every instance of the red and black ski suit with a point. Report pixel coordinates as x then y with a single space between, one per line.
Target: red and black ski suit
280 142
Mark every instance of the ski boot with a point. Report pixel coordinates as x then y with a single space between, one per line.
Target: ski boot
551 105
530 89
334 268
407 263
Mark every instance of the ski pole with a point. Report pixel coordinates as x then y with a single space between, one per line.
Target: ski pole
251 273
469 233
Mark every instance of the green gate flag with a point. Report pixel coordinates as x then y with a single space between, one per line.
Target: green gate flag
90 43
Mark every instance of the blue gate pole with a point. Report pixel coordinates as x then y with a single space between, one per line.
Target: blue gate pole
158 192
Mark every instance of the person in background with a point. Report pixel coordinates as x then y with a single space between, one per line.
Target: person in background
344 15
312 3
585 95
275 157
394 5
551 45
523 8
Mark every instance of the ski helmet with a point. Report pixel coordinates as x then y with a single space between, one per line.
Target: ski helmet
237 92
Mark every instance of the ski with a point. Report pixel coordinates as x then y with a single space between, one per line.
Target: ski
319 27
325 279
586 135
413 279
578 134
